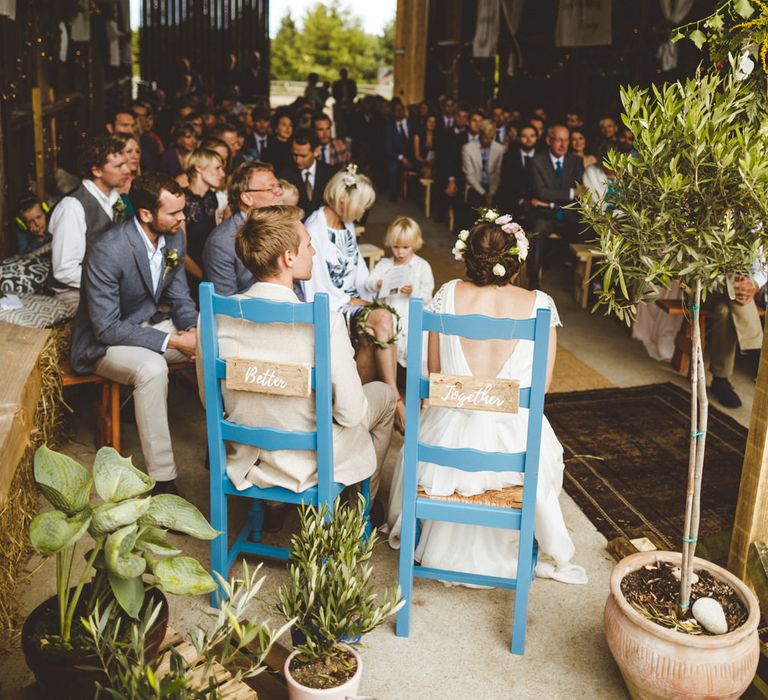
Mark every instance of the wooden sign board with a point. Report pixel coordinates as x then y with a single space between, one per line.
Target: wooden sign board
474 393
263 377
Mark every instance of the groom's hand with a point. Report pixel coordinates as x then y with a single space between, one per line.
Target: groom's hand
185 342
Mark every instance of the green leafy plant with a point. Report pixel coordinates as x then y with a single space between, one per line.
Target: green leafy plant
689 208
330 594
236 641
129 532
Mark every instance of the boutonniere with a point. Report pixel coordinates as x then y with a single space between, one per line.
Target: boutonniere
171 260
118 210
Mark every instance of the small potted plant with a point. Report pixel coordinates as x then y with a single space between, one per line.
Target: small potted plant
690 207
129 533
330 596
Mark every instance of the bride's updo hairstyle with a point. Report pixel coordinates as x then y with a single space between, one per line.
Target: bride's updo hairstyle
487 246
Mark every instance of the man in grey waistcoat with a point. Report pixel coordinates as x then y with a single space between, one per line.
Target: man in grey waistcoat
136 314
252 185
86 213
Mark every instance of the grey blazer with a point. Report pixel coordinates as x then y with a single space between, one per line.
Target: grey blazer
220 262
116 296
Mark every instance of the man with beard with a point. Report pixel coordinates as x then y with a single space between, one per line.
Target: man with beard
136 314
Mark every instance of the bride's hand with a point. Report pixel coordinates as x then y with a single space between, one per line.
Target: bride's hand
400 416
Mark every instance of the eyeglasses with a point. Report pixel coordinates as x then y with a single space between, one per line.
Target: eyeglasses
274 188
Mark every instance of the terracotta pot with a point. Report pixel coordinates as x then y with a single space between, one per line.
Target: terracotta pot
657 662
61 673
296 691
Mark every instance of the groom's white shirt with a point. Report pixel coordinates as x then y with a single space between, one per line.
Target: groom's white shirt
354 456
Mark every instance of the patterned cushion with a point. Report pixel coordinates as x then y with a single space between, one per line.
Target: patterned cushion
39 312
26 274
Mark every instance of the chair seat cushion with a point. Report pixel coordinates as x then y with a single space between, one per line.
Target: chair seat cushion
39 311
510 497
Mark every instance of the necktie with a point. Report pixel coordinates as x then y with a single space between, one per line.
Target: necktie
401 128
262 147
560 214
308 186
485 180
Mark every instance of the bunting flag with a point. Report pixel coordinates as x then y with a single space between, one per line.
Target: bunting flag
583 23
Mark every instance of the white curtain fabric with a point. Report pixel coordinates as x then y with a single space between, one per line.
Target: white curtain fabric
513 12
583 23
81 24
674 11
8 8
487 30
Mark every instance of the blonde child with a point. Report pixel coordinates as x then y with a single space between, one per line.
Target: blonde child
290 194
403 238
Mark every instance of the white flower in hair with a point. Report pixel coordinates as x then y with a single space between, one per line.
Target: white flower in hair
499 270
522 246
458 250
463 235
503 220
491 215
511 227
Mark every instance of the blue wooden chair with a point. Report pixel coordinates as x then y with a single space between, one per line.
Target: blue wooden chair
417 505
221 430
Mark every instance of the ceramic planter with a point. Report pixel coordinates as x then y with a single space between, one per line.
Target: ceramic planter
657 662
296 691
61 674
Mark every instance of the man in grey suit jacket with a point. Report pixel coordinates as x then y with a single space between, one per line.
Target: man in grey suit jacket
481 163
252 186
136 314
555 177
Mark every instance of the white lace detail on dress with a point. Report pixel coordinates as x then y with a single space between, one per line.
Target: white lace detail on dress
555 318
436 304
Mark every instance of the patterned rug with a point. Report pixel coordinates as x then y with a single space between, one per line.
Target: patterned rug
626 460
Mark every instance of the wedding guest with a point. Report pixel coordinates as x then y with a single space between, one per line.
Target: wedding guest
290 196
277 250
425 146
493 253
251 186
556 178
515 172
403 238
205 171
315 93
86 213
132 152
398 146
185 140
481 165
278 151
339 270
227 133
344 91
308 175
335 152
32 226
137 315
121 121
579 148
261 139
608 132
150 144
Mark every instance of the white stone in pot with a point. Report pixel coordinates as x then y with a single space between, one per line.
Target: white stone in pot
710 615
677 572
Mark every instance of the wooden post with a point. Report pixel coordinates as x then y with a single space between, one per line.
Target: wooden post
411 49
37 126
5 239
751 521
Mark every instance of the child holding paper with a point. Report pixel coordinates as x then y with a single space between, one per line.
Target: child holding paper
404 276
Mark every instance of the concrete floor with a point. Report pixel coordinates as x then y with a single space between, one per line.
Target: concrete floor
459 643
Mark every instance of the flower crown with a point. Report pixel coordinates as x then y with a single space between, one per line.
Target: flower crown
519 243
350 177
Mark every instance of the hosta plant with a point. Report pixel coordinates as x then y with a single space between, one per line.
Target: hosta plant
130 551
330 593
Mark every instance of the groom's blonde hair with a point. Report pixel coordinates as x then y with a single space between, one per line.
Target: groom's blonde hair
266 234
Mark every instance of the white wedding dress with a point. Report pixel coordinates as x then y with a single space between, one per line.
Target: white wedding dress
473 548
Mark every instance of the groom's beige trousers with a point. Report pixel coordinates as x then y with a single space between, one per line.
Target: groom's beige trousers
147 371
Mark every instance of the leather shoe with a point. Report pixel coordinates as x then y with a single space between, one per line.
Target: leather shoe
274 516
722 390
162 487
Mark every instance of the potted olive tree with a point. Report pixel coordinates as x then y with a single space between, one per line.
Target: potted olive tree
129 560
330 599
689 208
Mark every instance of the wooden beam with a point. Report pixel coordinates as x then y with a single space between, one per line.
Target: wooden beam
751 521
411 49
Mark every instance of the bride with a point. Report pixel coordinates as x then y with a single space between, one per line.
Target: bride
493 252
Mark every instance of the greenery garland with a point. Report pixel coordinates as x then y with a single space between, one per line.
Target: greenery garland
362 319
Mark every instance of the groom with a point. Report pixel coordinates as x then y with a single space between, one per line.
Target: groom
136 314
276 247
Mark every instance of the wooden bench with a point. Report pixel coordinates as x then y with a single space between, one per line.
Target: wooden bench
371 253
107 404
582 274
681 359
